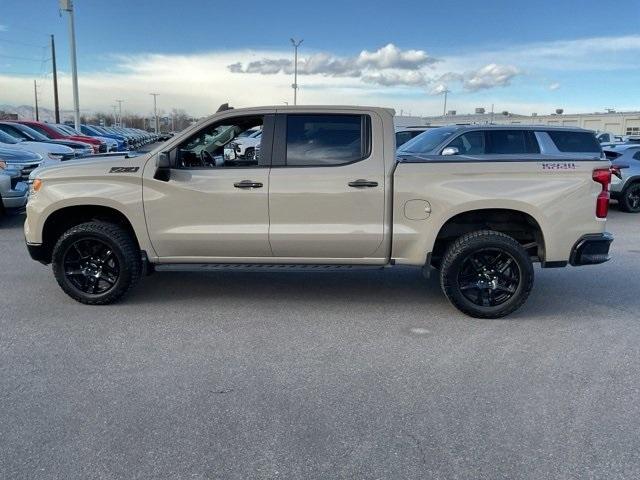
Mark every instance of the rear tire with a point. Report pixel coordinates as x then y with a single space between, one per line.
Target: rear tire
486 274
630 198
96 263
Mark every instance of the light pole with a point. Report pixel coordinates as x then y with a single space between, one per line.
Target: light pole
444 110
295 69
119 102
155 112
67 6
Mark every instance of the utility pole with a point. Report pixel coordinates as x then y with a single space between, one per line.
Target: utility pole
119 120
115 116
35 93
492 113
295 69
155 112
67 6
444 110
56 105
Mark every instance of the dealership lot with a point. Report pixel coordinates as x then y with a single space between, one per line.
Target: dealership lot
351 375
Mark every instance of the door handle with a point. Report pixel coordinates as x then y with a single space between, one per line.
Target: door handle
247 184
362 183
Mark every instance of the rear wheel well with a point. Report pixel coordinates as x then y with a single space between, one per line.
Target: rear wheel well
518 225
62 220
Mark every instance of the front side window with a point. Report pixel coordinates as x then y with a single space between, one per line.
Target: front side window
225 144
326 140
636 155
470 143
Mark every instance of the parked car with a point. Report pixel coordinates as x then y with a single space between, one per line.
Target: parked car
22 160
404 134
23 132
626 188
49 151
328 191
96 131
111 144
245 143
51 131
13 191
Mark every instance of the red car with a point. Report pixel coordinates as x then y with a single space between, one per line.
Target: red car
55 133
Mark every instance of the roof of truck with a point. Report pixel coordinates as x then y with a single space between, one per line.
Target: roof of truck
493 126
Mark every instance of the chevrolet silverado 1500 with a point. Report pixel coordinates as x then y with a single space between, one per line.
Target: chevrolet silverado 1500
480 204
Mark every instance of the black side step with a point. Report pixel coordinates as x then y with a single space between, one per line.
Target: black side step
259 267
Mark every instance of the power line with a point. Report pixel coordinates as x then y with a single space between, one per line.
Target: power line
29 59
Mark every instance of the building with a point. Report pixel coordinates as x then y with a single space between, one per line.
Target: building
618 123
8 116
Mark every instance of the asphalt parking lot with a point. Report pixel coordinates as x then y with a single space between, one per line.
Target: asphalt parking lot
345 375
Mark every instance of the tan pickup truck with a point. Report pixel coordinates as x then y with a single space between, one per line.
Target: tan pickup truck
325 188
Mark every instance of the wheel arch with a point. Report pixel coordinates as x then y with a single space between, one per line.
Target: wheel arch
520 225
59 221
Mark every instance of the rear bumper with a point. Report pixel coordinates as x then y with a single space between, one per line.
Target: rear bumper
591 249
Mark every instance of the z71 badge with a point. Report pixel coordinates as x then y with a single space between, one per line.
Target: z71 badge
123 169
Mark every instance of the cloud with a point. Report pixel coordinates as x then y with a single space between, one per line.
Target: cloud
490 76
554 86
365 63
391 56
395 78
438 89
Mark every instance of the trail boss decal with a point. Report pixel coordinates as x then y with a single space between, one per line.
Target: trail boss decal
558 166
124 169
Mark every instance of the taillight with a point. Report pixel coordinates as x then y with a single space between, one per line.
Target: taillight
603 177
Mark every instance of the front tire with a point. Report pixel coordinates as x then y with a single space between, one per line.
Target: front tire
630 198
486 274
96 263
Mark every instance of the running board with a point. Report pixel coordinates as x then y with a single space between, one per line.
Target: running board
259 267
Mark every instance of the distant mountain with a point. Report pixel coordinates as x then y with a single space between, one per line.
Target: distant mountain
27 112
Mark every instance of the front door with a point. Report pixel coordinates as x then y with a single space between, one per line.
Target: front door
213 201
326 188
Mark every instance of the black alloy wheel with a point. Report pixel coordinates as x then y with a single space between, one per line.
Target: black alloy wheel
489 277
91 266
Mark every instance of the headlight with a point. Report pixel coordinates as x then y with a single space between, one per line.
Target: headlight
55 156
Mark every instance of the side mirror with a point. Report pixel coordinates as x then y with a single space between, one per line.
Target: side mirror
163 167
450 151
163 160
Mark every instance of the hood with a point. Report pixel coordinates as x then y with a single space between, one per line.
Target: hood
99 165
18 155
49 147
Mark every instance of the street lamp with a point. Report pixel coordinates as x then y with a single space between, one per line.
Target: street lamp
444 109
155 112
119 102
295 69
67 6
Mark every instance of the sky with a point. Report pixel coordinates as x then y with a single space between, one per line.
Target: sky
520 56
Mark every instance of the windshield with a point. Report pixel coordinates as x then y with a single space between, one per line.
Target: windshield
30 132
6 138
427 141
66 128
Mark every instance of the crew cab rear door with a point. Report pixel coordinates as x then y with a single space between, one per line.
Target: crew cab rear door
327 188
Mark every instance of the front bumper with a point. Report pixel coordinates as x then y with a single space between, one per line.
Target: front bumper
17 197
591 249
38 253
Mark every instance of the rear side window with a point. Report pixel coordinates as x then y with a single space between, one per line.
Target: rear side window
636 155
327 140
579 142
510 142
